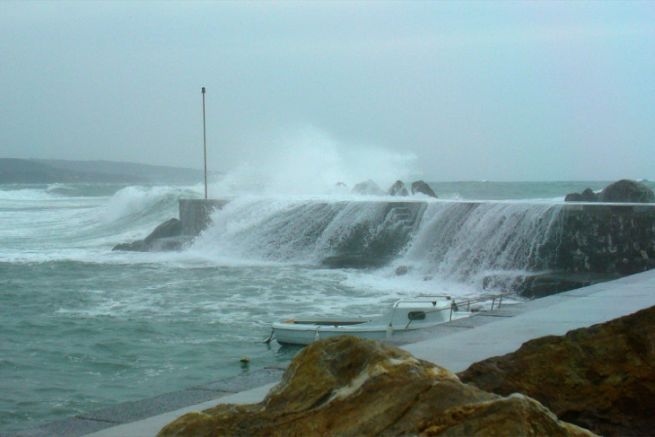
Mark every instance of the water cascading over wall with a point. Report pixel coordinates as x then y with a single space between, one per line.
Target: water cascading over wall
468 242
335 234
460 241
535 248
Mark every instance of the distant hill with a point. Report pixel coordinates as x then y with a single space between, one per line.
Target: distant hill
36 171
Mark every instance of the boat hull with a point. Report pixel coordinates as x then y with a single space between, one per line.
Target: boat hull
291 333
304 335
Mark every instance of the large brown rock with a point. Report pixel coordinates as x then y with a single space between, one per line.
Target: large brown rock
352 387
601 378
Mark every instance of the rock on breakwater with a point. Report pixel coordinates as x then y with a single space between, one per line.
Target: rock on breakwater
624 190
601 377
350 386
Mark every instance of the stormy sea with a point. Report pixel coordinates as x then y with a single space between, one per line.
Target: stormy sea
83 327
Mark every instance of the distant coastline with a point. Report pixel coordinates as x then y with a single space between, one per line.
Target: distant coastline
46 171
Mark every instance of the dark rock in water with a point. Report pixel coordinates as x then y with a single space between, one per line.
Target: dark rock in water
601 377
346 386
398 189
368 187
166 236
170 228
402 270
587 195
627 191
135 246
354 261
422 187
573 197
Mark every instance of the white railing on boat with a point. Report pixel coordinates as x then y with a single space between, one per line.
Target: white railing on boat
456 305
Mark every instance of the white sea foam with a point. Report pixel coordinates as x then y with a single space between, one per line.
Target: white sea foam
309 161
24 194
137 201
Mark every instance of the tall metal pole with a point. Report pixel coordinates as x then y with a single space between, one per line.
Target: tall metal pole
204 137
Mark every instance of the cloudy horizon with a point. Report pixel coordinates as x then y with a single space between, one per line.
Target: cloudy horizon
438 90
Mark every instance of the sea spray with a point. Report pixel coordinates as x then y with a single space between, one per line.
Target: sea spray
442 241
308 161
280 230
465 241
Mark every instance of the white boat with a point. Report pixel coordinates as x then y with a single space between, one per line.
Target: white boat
405 315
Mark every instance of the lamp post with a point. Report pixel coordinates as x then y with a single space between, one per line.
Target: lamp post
204 137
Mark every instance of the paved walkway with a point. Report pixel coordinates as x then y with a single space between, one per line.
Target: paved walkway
553 315
150 427
459 344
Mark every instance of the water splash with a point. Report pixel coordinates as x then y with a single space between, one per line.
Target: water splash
310 162
466 241
442 241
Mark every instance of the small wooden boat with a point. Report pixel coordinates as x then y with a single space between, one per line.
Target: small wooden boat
405 315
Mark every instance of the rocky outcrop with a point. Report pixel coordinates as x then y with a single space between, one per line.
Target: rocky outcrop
624 190
627 191
423 188
368 188
170 228
587 195
601 378
166 236
398 189
353 387
354 261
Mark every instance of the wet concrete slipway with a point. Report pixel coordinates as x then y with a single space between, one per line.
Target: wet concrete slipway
455 345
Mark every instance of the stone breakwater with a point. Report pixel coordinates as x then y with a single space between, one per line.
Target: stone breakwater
591 243
593 238
533 249
604 238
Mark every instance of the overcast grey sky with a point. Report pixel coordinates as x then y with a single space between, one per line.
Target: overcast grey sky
448 91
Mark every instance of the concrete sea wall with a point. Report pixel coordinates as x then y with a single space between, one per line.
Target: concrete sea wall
607 238
586 238
195 214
